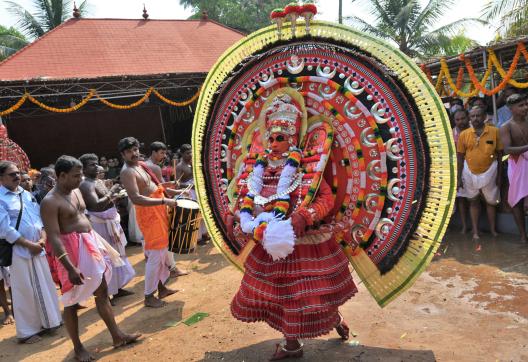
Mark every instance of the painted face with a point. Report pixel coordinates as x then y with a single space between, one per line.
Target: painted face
131 155
477 116
278 143
11 178
461 120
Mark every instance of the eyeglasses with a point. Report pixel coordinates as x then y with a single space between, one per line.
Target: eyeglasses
279 138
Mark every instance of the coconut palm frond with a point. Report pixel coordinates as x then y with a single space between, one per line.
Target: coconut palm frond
26 21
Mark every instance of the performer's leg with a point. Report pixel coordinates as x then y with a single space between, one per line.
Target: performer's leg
107 314
71 321
342 328
518 216
292 348
152 278
8 316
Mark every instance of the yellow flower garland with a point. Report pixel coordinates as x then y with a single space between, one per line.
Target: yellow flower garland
93 93
480 86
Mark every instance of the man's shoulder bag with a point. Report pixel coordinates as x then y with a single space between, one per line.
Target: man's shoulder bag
6 248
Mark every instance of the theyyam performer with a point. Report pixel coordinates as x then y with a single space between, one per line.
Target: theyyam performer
318 147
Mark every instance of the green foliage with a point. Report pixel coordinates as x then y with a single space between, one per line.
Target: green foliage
410 26
246 16
48 15
450 45
512 16
11 40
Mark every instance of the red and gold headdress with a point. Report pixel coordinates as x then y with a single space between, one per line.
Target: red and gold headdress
284 112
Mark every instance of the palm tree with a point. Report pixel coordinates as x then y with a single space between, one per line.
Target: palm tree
408 25
10 41
49 14
512 15
450 45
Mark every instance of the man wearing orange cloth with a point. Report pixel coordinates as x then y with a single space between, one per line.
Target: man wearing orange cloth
150 202
80 255
514 136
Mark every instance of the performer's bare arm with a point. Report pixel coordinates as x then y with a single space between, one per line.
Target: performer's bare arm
508 142
92 200
130 182
49 210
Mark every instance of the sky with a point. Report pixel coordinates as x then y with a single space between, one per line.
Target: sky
328 10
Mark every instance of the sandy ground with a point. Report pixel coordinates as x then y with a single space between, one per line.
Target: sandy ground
468 306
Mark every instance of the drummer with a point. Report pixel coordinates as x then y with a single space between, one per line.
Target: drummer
158 152
184 173
150 202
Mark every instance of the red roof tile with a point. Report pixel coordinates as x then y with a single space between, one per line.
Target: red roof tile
92 48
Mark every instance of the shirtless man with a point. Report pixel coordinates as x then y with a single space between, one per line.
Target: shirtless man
106 221
151 215
158 152
514 136
81 263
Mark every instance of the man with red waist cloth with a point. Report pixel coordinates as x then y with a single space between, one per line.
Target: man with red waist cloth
80 257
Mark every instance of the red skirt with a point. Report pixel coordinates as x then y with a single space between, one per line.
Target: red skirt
299 295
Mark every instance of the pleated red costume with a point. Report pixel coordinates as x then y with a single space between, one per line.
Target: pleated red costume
300 294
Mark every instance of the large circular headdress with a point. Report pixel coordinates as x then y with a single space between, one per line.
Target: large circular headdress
10 151
392 165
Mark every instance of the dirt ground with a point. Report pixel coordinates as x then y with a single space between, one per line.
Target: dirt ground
468 306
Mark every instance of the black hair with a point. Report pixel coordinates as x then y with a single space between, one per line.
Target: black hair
184 148
157 145
460 110
482 110
127 143
87 157
4 165
47 171
65 164
457 101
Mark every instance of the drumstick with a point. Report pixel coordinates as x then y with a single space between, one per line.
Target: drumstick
184 191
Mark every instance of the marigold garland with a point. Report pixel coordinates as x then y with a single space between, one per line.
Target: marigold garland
93 93
476 85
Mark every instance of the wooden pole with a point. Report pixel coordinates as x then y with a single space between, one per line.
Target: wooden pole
340 12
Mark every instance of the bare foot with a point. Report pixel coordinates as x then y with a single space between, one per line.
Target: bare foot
82 355
176 272
112 301
464 230
8 320
33 339
126 339
494 233
153 302
123 293
165 292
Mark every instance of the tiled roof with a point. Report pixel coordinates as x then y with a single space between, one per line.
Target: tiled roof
93 48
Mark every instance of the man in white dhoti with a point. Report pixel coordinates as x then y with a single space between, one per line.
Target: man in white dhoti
81 256
106 222
479 153
35 302
4 284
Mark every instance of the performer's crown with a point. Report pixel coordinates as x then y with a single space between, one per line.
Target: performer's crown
283 116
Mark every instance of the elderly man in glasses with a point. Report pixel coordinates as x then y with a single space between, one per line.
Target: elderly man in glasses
35 301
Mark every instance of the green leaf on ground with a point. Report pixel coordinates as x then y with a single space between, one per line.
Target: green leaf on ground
195 318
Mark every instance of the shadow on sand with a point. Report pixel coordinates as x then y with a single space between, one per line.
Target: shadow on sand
324 350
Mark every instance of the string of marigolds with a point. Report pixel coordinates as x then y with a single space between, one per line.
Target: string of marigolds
478 85
93 93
